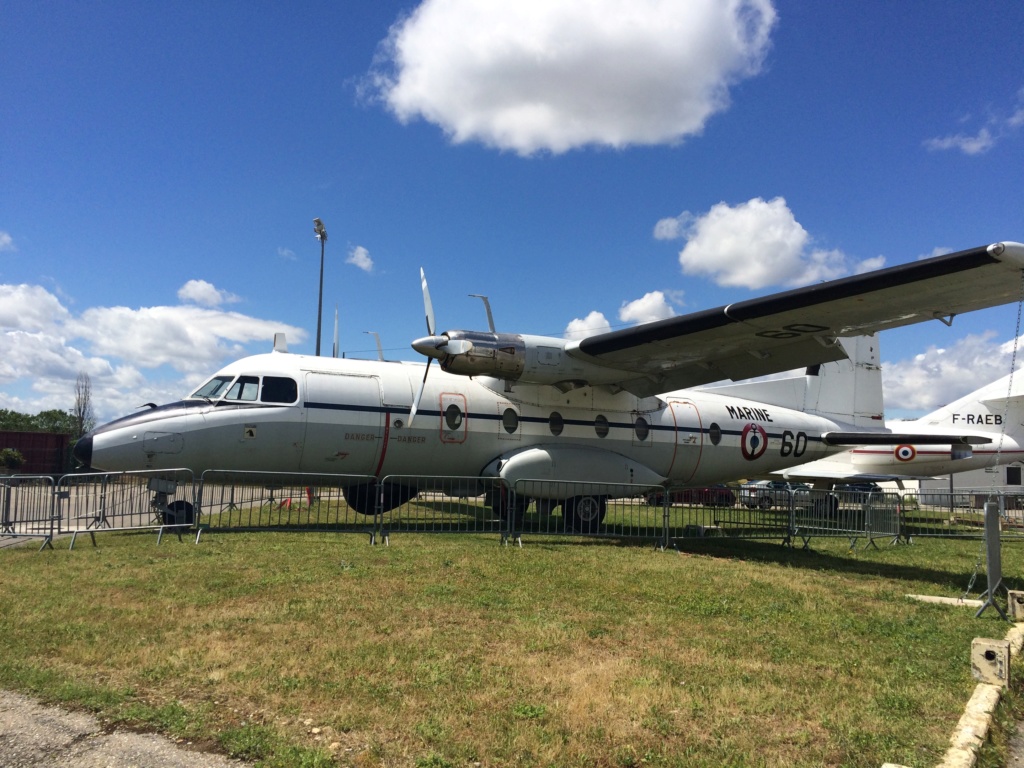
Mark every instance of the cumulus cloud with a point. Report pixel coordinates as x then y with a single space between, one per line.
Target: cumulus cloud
998 126
43 348
360 257
592 324
553 75
205 294
29 308
653 306
940 375
7 243
752 245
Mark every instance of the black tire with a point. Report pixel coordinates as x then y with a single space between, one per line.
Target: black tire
764 503
585 513
179 512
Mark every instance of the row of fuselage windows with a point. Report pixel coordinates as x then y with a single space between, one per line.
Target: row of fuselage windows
510 422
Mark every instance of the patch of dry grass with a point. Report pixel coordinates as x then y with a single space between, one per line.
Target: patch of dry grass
448 650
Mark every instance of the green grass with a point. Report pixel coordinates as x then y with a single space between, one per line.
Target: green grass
316 649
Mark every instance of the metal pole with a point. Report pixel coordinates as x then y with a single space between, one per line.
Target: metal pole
320 299
321 235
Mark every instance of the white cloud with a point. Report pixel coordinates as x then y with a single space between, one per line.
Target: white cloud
29 308
996 128
360 257
653 306
189 339
977 144
939 251
7 242
940 375
205 294
287 253
753 245
43 347
554 75
592 324
869 265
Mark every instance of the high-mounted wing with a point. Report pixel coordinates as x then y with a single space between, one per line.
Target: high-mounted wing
799 327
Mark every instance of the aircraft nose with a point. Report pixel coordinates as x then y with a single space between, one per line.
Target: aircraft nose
83 451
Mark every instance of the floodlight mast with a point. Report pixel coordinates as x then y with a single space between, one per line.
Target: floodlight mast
321 235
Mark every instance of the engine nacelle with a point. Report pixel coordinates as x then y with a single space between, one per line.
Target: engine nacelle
501 355
514 357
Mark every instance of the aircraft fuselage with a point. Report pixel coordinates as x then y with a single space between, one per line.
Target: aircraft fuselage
293 413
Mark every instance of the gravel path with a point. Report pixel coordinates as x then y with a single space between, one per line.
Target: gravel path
35 735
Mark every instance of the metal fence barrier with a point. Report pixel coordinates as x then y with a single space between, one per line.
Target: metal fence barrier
27 508
278 501
961 513
119 501
33 506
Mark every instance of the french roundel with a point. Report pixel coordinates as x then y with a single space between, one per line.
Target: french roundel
753 441
905 453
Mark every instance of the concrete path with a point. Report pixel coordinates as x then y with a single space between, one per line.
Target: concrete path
35 735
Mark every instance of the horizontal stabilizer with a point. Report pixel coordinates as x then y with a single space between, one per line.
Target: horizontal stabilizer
892 438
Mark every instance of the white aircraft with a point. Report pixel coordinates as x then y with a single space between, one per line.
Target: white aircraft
539 413
994 412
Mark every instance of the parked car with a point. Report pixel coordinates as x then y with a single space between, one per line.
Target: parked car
857 493
708 496
765 494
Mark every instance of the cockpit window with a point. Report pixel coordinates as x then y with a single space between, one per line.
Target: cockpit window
245 388
214 388
277 389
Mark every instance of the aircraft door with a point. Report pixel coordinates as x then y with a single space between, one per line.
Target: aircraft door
344 424
689 440
453 417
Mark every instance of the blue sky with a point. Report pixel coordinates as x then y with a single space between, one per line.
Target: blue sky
161 164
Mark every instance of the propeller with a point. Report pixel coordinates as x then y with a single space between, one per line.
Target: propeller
433 347
419 346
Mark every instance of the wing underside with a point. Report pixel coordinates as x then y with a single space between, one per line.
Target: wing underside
799 327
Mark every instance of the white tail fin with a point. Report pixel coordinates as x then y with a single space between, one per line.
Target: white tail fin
994 408
847 391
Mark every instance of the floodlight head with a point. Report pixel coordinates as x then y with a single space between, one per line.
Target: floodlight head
318 229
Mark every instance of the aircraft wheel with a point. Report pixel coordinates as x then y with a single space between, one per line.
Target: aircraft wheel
585 513
179 512
764 503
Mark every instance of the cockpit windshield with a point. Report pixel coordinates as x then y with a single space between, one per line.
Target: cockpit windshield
214 388
274 389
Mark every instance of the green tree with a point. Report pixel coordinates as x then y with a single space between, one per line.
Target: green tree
12 421
54 421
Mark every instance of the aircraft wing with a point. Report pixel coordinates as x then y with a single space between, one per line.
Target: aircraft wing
799 327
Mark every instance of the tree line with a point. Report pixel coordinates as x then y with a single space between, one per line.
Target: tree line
75 421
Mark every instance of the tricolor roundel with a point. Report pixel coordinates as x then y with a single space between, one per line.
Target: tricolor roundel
753 441
905 453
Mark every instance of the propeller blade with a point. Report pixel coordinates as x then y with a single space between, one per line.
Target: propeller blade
419 395
428 307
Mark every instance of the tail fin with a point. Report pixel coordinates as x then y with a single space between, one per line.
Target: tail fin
847 391
997 407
